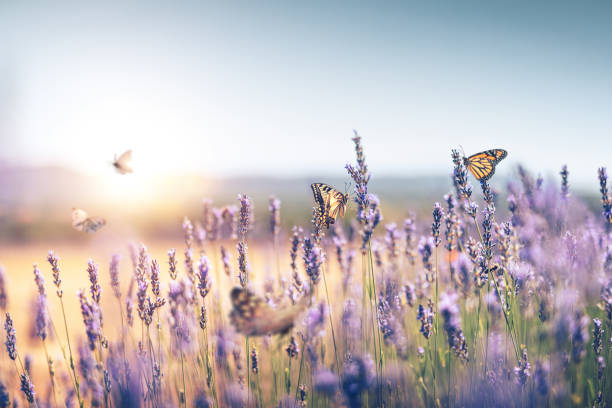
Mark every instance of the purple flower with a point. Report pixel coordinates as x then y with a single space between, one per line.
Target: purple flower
564 184
155 278
361 177
203 318
91 318
188 232
391 242
605 198
358 377
207 218
172 263
40 281
11 337
53 260
541 377
42 318
425 248
460 180
410 293
449 309
5 398
274 207
246 213
487 194
217 222
326 382
435 226
580 336
292 349
389 326
409 230
3 291
27 387
597 336
313 259
225 259
522 372
254 360
94 289
114 275
426 317
315 321
204 279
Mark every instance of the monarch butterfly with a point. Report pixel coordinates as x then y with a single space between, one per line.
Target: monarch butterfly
482 165
330 201
123 163
252 316
82 222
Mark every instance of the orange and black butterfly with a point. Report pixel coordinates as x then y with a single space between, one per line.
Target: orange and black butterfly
331 202
252 316
482 165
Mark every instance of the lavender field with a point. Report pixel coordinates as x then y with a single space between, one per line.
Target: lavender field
499 298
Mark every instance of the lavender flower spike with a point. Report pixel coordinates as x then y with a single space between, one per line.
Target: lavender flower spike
11 338
274 208
204 279
605 198
564 184
27 387
53 260
3 291
95 289
437 213
113 270
246 213
40 281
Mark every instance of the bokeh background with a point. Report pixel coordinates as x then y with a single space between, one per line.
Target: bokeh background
217 98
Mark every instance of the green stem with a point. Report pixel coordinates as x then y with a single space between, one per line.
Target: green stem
75 375
331 320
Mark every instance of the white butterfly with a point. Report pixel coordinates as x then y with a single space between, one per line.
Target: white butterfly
82 222
123 164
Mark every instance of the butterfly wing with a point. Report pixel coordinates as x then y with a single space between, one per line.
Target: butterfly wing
78 218
337 205
331 202
123 163
82 222
252 316
482 165
92 224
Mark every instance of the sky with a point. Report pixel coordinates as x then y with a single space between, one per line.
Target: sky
276 88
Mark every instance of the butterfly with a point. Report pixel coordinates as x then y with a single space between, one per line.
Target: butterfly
82 222
482 165
252 316
123 163
331 202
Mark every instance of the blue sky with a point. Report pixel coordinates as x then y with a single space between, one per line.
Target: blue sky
275 88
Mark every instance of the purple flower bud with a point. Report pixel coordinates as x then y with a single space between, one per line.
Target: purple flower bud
40 281
11 337
172 263
114 275
274 207
438 213
246 214
53 260
204 279
27 387
94 289
42 318
3 291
